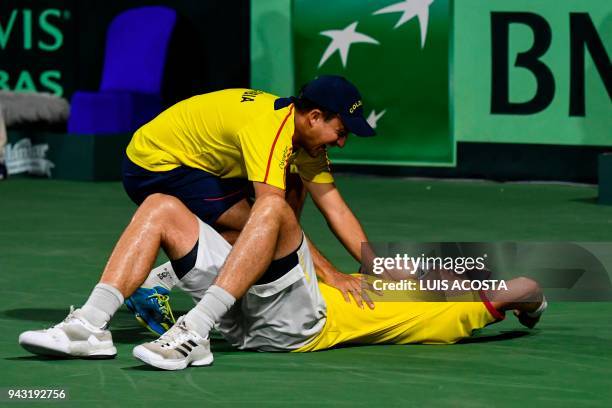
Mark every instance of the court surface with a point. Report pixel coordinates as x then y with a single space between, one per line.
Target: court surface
56 235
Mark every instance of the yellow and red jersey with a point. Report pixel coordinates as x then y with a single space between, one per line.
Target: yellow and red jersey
398 322
234 133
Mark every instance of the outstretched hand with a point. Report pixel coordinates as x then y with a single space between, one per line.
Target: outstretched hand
351 285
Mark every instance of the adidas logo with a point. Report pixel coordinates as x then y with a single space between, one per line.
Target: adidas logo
186 347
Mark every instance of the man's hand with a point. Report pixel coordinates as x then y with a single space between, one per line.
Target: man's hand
349 284
326 272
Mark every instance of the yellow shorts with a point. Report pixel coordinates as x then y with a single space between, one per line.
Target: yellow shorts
399 322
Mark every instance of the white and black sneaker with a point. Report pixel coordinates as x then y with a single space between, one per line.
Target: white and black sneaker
176 349
74 337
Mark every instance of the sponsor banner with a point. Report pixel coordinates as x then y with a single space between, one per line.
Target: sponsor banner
465 271
25 157
532 72
37 46
396 52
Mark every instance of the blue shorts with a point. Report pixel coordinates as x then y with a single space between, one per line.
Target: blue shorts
206 195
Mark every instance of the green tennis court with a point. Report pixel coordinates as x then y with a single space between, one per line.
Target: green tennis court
55 237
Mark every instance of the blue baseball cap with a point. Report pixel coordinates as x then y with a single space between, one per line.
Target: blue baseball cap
338 95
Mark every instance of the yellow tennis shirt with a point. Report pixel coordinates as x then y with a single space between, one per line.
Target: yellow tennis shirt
408 322
234 133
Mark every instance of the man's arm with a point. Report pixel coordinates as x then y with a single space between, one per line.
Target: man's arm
262 189
339 216
346 284
348 230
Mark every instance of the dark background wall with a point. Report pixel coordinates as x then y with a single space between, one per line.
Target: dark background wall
209 48
63 50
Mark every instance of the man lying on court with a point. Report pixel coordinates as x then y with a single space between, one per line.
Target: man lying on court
277 306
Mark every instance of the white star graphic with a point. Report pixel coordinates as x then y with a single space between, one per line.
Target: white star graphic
342 40
409 9
373 117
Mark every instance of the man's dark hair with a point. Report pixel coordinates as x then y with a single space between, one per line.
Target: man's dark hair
304 105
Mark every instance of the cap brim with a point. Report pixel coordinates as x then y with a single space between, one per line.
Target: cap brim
281 103
358 125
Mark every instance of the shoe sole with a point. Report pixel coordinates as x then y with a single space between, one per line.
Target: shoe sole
147 357
45 351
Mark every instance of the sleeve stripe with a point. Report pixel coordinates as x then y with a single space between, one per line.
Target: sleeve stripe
280 129
494 312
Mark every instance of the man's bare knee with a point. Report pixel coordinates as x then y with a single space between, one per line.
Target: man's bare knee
162 206
159 200
273 210
274 207
176 225
162 213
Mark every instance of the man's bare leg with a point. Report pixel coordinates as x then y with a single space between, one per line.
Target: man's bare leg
230 225
161 221
231 222
272 232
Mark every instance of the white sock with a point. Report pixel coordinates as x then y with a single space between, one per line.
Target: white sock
102 304
163 276
214 304
538 312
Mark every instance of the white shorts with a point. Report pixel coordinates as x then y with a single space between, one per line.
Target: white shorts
282 315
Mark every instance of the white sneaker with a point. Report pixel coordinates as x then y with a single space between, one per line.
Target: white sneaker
176 349
74 337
